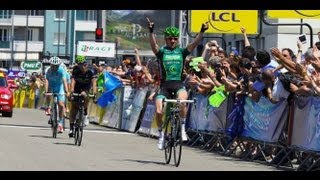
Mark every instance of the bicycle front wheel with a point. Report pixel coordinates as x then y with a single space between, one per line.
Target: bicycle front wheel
177 139
54 120
167 142
80 129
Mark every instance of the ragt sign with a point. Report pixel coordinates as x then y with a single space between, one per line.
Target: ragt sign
94 49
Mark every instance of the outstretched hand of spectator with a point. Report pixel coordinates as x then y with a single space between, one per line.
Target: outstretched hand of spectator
136 51
243 30
302 70
276 53
223 73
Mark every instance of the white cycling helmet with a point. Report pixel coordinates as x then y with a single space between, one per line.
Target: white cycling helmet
55 60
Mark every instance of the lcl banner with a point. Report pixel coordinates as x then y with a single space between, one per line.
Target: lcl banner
225 21
297 14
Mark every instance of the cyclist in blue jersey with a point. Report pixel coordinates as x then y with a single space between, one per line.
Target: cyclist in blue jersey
55 82
68 77
171 59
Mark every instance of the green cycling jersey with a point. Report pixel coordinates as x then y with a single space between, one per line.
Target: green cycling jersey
172 62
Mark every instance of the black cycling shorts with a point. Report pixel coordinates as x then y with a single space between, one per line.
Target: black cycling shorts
170 89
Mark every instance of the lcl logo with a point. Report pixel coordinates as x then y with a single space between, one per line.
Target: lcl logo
308 13
227 20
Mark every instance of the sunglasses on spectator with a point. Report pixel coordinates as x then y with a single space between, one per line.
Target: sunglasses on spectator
173 38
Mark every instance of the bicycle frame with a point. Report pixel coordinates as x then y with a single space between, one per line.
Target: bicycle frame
54 113
173 137
79 121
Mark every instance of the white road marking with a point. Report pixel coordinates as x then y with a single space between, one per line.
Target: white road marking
86 130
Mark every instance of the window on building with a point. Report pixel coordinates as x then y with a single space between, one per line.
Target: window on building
59 39
60 14
30 34
91 15
4 36
5 14
35 13
87 15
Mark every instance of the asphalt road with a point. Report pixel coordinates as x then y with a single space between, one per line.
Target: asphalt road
26 144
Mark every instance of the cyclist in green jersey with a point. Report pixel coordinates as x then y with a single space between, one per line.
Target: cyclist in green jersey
171 62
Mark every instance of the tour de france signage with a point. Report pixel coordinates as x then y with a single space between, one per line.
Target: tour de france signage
31 65
294 14
225 21
96 49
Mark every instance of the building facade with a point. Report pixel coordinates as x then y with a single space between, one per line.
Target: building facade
21 36
64 28
38 34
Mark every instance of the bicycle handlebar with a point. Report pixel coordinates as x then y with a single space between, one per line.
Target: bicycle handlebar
79 94
179 101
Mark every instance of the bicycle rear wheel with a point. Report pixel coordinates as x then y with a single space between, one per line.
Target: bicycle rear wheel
177 139
167 142
78 129
54 121
76 133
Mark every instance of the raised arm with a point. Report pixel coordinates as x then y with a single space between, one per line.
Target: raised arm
288 64
198 38
138 61
153 42
245 37
299 55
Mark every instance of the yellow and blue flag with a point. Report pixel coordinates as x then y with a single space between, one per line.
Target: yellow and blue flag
111 83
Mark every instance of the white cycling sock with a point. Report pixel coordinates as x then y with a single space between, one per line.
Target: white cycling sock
183 121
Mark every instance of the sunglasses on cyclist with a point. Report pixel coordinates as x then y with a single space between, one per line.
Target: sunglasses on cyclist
55 66
172 38
83 64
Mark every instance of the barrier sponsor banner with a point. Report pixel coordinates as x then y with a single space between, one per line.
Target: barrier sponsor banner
93 109
225 21
217 118
306 123
199 114
111 117
128 95
132 112
205 117
263 120
295 14
12 74
148 117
